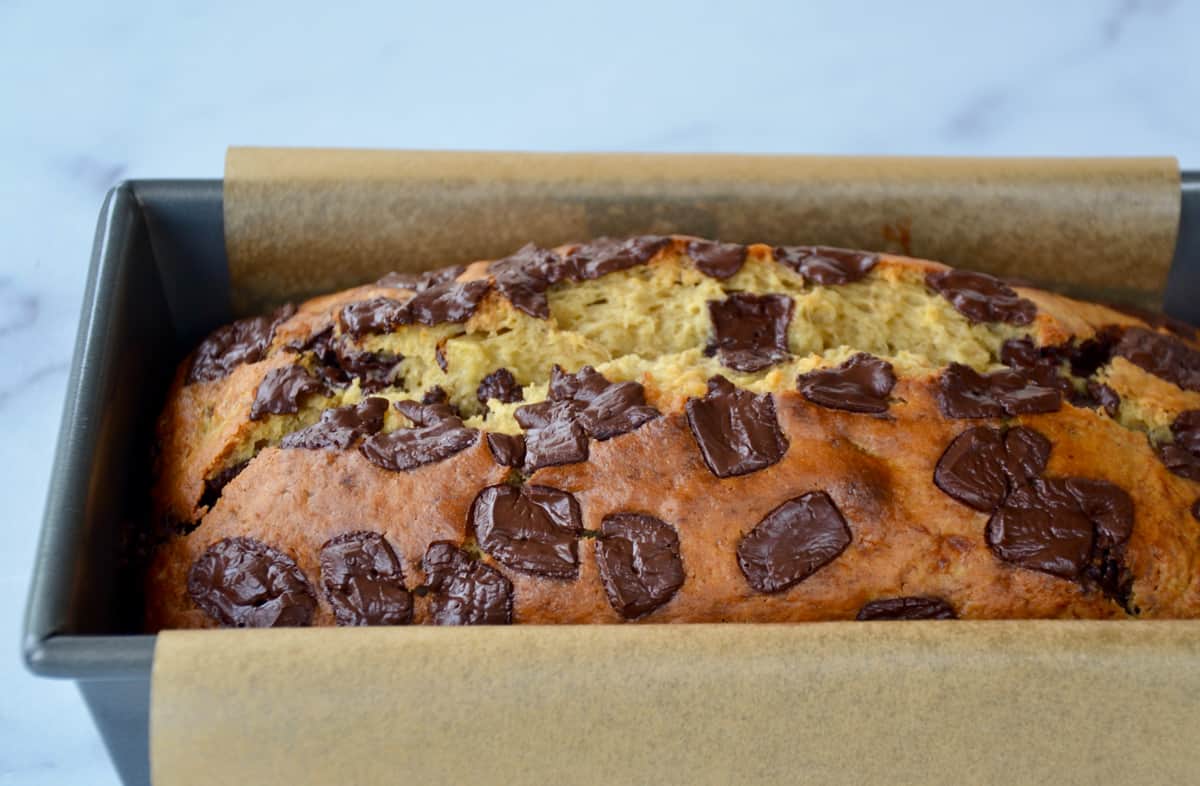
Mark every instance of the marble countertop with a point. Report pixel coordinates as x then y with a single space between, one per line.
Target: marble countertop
97 94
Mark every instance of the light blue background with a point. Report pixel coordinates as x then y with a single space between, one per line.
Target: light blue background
93 93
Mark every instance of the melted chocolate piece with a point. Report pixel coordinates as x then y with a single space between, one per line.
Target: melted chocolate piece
1099 395
534 529
282 391
507 449
216 484
861 384
525 276
794 541
374 370
1040 527
825 265
244 583
463 591
1039 364
982 298
1183 455
419 282
364 580
370 317
606 255
638 558
500 385
750 332
439 355
244 341
965 393
719 260
1166 357
580 405
910 608
736 430
341 427
437 434
982 464
437 395
447 302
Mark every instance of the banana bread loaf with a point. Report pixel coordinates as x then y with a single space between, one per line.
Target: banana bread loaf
669 429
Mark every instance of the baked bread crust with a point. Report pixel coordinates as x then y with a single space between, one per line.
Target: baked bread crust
900 533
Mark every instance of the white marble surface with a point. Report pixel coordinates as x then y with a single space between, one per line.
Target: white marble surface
93 94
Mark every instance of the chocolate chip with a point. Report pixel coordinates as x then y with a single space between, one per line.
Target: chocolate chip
606 255
639 562
437 395
370 317
1099 395
244 583
534 529
982 298
216 484
500 385
909 608
965 393
827 266
580 405
419 282
1183 455
719 260
1038 364
507 449
341 427
463 591
1040 527
981 465
1166 357
364 580
439 355
525 276
374 370
861 384
244 341
282 391
794 541
437 434
736 430
447 302
750 332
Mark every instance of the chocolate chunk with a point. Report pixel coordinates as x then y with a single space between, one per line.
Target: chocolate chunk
216 484
639 562
719 260
553 435
463 591
1157 320
534 529
370 317
910 608
525 276
736 430
341 427
750 332
439 355
244 583
965 393
1041 527
1166 357
437 434
282 391
606 255
1038 364
1099 395
794 541
981 465
374 370
448 302
982 298
364 580
507 449
419 282
1183 455
244 341
827 266
500 385
861 384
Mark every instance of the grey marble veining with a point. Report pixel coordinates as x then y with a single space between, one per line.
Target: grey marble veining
93 93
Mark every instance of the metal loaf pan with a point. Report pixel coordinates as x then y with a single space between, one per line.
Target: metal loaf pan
158 282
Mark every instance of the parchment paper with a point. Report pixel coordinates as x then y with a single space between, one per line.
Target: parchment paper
1054 702
299 222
